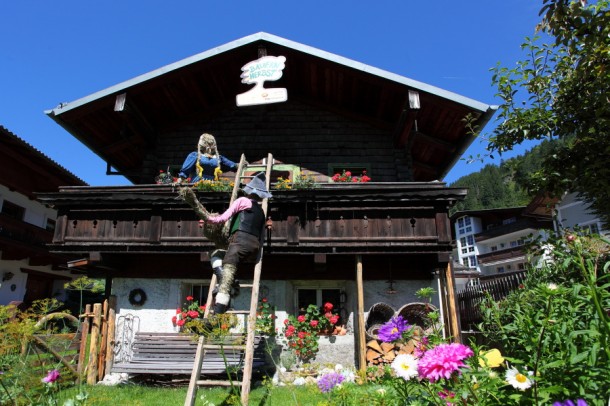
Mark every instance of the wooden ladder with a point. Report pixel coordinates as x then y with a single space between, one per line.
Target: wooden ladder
202 347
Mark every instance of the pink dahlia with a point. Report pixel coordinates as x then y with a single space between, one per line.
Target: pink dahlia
442 360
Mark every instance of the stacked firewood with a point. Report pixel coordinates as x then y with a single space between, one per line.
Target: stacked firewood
380 353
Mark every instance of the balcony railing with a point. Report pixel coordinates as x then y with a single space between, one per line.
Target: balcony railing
26 233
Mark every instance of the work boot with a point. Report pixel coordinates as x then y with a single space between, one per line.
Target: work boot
211 322
219 308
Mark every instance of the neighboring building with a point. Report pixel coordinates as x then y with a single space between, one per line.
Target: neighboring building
28 271
572 212
492 241
340 114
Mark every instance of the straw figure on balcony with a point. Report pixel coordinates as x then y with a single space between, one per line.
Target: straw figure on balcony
205 163
246 224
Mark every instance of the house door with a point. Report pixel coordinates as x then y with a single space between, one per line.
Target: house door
38 287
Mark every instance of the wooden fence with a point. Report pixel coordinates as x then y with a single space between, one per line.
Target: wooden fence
496 286
88 352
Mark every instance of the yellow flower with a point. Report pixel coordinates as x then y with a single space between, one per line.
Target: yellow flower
491 358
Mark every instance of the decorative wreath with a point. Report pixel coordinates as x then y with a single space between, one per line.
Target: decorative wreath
137 297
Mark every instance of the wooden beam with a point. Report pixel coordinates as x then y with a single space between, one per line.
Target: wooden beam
452 315
406 122
361 333
449 146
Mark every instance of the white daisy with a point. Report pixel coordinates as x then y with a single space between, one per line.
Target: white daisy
405 366
517 379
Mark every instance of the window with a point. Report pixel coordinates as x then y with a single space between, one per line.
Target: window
308 296
470 240
199 291
470 249
463 241
473 261
513 244
461 222
50 226
521 266
493 248
464 250
467 221
468 229
305 297
13 210
500 269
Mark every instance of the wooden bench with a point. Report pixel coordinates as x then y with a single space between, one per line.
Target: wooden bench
174 353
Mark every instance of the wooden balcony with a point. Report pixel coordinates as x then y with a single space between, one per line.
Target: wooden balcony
125 225
330 219
501 255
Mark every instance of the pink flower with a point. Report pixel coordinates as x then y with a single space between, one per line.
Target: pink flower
301 318
442 360
334 319
328 306
313 323
202 307
180 322
189 298
348 173
174 319
193 314
301 334
286 321
51 377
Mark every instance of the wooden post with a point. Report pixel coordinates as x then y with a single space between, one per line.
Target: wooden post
451 305
361 332
83 343
101 357
110 339
93 347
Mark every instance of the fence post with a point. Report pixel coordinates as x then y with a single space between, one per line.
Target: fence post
101 358
110 340
93 347
82 351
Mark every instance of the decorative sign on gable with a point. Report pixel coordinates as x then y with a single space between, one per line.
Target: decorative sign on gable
257 72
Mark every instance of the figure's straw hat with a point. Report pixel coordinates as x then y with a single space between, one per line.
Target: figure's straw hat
258 186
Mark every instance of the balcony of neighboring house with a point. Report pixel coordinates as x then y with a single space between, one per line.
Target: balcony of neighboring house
511 253
510 227
20 239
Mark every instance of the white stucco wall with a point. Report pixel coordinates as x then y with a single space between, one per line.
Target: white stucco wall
164 297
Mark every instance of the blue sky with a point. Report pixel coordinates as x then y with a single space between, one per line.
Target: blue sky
53 52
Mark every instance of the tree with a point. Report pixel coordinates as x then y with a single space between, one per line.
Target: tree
561 92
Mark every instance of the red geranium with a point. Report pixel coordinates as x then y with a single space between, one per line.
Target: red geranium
190 311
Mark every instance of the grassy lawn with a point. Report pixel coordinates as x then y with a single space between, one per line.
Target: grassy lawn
139 395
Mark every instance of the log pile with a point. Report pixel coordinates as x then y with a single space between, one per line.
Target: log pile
381 353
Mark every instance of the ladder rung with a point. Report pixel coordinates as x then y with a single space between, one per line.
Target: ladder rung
238 311
245 285
209 382
224 347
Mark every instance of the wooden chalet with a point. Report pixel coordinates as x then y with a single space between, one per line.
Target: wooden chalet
28 270
340 114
